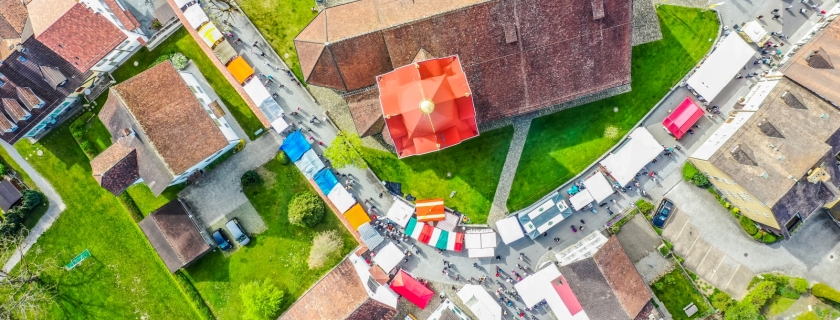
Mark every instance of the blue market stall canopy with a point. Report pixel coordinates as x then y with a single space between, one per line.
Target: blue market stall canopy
295 145
325 180
545 215
309 164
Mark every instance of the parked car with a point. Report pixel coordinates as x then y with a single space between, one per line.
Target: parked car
221 240
237 232
663 212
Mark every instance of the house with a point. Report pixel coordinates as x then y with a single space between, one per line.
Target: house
14 26
519 56
9 195
176 238
163 130
603 286
352 290
779 163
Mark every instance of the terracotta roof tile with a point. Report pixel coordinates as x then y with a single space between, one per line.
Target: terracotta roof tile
28 98
623 278
82 37
121 174
7 31
43 13
15 13
125 17
15 111
181 131
366 112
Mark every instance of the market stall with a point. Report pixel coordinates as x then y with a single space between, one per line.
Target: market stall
631 156
340 198
480 302
210 34
598 186
679 122
195 17
400 212
242 71
389 257
544 215
309 164
225 52
509 229
325 180
581 199
720 67
295 145
357 216
429 210
371 238
411 289
480 243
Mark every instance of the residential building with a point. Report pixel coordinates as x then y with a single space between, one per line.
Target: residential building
164 130
779 163
14 26
176 237
813 65
519 56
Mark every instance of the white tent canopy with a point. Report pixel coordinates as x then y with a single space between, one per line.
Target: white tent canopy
195 16
754 31
309 164
481 253
721 67
256 91
279 124
509 229
340 198
481 303
639 149
598 186
581 199
389 257
400 212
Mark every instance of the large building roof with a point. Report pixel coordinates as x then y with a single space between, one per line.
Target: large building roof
816 65
177 126
519 55
82 36
174 235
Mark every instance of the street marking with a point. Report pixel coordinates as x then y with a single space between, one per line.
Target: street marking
692 245
733 276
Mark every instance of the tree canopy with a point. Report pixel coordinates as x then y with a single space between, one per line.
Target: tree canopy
344 151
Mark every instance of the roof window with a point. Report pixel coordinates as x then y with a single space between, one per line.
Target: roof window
769 129
792 101
743 155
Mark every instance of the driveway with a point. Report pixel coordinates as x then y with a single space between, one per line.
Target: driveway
702 224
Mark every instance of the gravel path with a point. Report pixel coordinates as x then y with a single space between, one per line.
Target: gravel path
498 210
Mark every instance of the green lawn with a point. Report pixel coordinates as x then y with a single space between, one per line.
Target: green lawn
475 164
280 21
147 202
555 153
32 218
278 254
124 278
778 304
678 294
180 41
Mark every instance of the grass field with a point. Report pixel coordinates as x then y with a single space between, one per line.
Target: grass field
124 278
182 42
555 153
475 164
679 293
147 202
280 21
278 254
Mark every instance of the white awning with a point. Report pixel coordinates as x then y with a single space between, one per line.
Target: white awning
210 34
480 302
256 90
481 253
279 124
195 16
721 67
341 199
309 164
400 212
389 257
598 186
581 199
509 229
639 150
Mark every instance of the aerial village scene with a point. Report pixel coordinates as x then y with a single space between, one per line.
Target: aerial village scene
420 159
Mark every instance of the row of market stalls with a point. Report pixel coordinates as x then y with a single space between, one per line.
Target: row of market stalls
720 67
235 63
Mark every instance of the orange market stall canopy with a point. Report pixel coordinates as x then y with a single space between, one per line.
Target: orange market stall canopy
430 210
427 106
240 69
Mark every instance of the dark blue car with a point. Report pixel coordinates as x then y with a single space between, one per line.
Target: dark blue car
221 240
662 213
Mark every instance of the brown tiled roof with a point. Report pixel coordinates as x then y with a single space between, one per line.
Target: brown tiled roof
125 17
818 78
180 231
15 13
109 157
170 115
592 290
121 168
366 112
15 111
622 277
6 125
27 97
7 31
519 55
338 295
82 37
43 13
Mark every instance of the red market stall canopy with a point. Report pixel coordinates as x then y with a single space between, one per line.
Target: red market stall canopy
427 106
681 120
429 210
411 289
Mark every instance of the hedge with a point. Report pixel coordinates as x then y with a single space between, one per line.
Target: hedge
748 225
821 290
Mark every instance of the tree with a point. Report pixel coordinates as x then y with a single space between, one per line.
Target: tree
306 209
223 10
323 246
721 300
250 177
2 169
743 310
24 293
344 151
260 299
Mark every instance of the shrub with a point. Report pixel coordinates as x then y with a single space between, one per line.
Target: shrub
699 179
799 284
810 315
823 291
787 292
283 158
306 209
769 238
160 59
736 211
757 236
30 199
688 171
748 225
644 206
249 178
260 299
323 246
179 61
2 169
759 294
743 310
726 204
664 250
721 300
87 147
156 25
239 146
659 286
668 244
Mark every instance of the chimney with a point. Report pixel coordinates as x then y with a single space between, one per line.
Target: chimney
597 9
128 132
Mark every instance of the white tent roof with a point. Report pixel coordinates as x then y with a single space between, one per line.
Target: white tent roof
340 198
538 287
389 257
478 239
598 186
309 164
721 67
279 124
754 31
481 253
400 212
581 199
256 90
509 229
195 16
481 303
639 149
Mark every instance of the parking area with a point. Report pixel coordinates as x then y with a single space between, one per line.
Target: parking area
640 242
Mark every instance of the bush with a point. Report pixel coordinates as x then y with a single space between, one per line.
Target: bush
743 310
721 300
810 315
249 178
160 59
769 238
736 211
87 147
799 284
156 25
757 236
823 291
748 225
664 250
283 158
239 146
644 206
30 199
688 171
260 299
762 292
306 209
2 169
323 246
699 179
179 61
